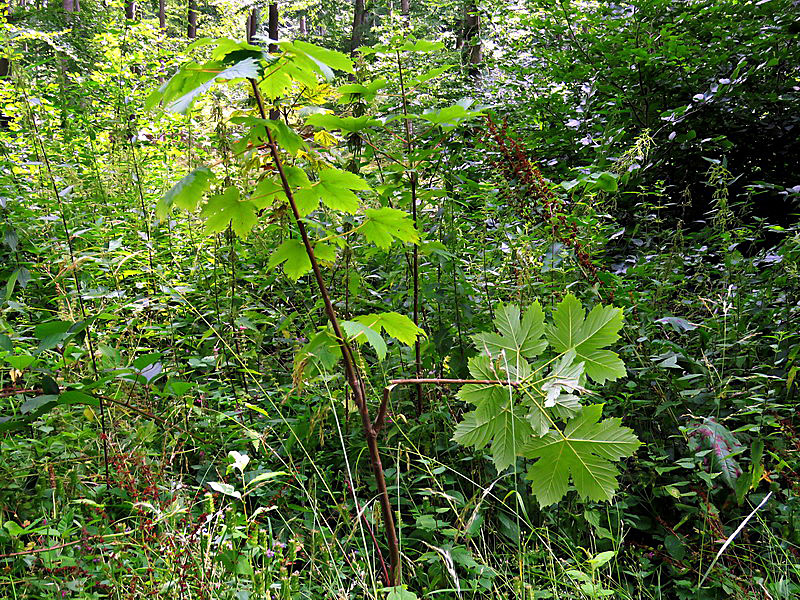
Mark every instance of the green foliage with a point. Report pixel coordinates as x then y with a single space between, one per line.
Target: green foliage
584 452
187 193
384 225
520 417
184 347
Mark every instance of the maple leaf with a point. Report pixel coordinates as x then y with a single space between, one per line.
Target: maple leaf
227 208
583 451
588 336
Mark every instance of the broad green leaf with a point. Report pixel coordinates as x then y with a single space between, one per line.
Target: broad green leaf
565 376
606 182
276 82
336 186
584 452
519 337
494 421
334 189
20 362
51 334
421 46
432 74
353 91
322 351
394 324
292 253
325 252
247 68
186 194
400 593
267 192
384 225
362 333
450 116
348 124
331 58
588 337
481 367
228 208
76 397
400 327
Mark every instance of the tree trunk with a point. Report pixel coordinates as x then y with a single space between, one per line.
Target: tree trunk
405 9
272 31
472 52
359 25
191 29
252 24
162 15
130 10
69 7
303 29
273 26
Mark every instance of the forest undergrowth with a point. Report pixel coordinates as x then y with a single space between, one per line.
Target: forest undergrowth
424 319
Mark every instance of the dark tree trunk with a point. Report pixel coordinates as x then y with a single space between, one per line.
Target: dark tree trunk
252 24
191 29
272 30
273 26
472 52
359 25
405 9
162 15
130 10
303 30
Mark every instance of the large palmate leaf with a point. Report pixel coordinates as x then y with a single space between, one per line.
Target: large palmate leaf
187 193
588 336
384 225
227 208
394 324
499 421
519 337
347 124
283 135
292 254
334 188
247 68
481 367
544 394
362 333
583 451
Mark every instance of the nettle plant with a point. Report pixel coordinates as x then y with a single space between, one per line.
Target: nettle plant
522 395
528 379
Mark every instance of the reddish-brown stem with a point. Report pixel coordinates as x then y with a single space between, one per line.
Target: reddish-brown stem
352 372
